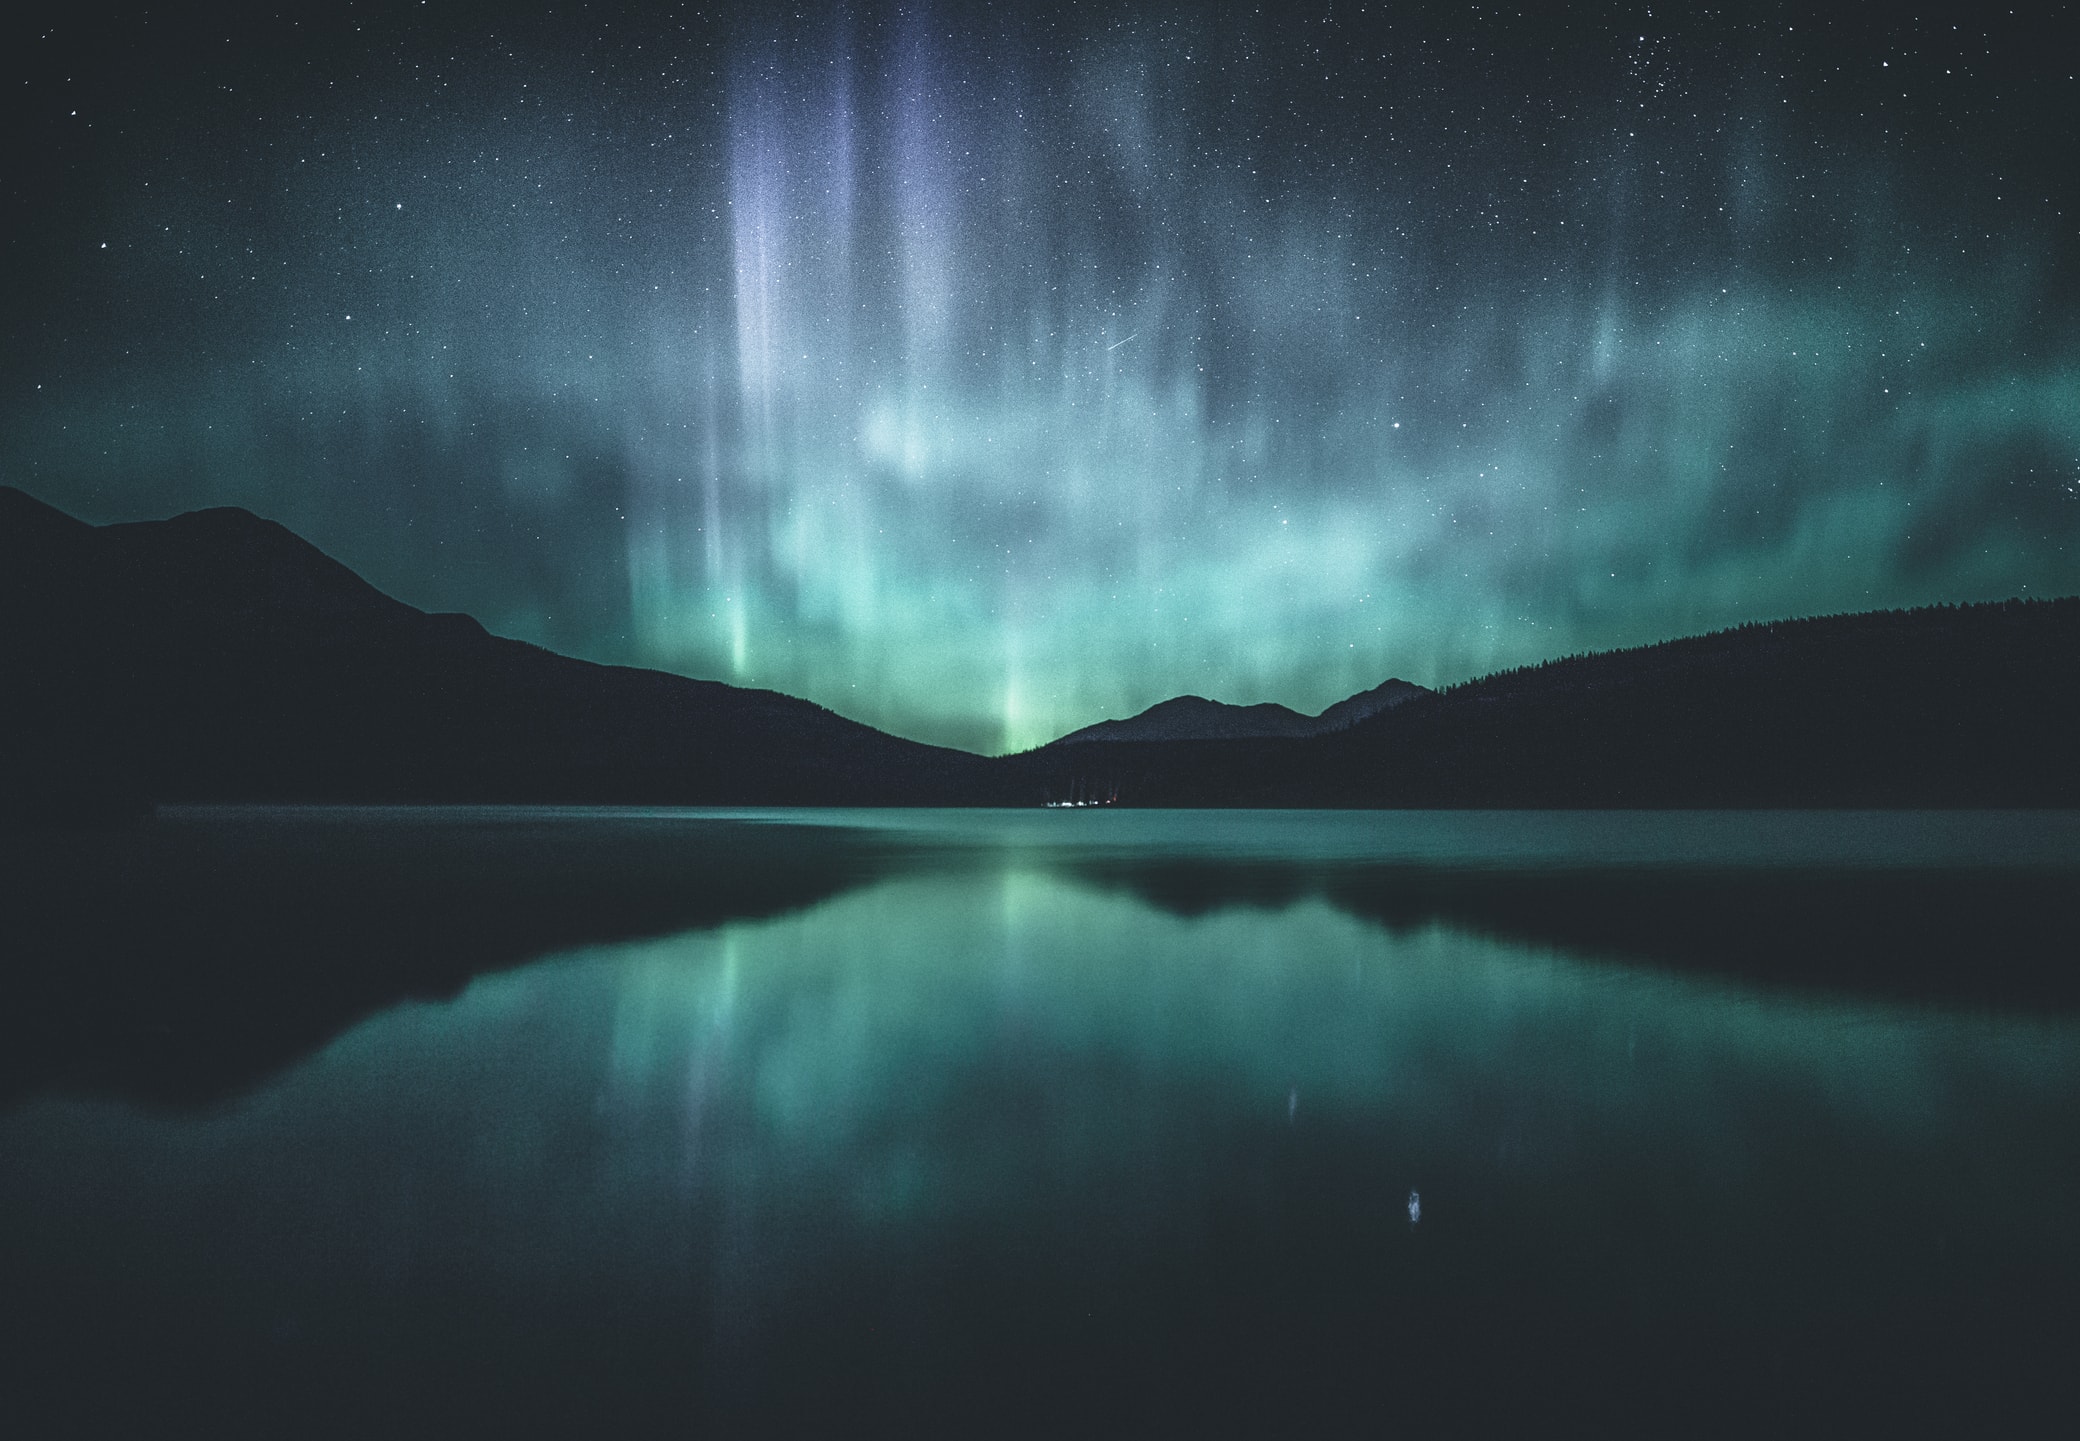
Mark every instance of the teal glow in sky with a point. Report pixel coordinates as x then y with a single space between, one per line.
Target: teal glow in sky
982 376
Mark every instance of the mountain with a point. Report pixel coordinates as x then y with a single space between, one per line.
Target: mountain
1190 717
1367 703
217 656
1942 706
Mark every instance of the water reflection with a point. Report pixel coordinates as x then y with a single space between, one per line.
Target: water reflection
998 1147
186 959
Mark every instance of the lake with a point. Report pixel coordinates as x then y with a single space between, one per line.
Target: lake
698 1123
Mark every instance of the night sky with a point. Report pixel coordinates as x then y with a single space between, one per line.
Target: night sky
984 371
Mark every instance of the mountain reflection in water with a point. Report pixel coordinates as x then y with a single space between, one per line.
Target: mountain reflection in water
1028 1135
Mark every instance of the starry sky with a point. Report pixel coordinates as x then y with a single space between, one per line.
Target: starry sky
983 371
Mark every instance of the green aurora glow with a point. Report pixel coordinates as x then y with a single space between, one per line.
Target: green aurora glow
980 378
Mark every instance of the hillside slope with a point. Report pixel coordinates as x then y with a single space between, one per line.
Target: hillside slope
1944 706
1191 717
218 656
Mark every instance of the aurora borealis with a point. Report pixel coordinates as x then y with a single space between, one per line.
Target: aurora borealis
982 372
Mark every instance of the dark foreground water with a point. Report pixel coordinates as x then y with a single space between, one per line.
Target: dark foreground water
605 1124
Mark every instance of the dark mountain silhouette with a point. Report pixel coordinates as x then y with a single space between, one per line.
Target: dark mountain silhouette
1968 705
1192 718
1367 703
217 656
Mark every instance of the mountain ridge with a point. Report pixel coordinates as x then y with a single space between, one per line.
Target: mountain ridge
1193 717
1942 706
218 656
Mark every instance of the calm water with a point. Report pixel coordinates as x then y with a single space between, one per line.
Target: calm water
990 1122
